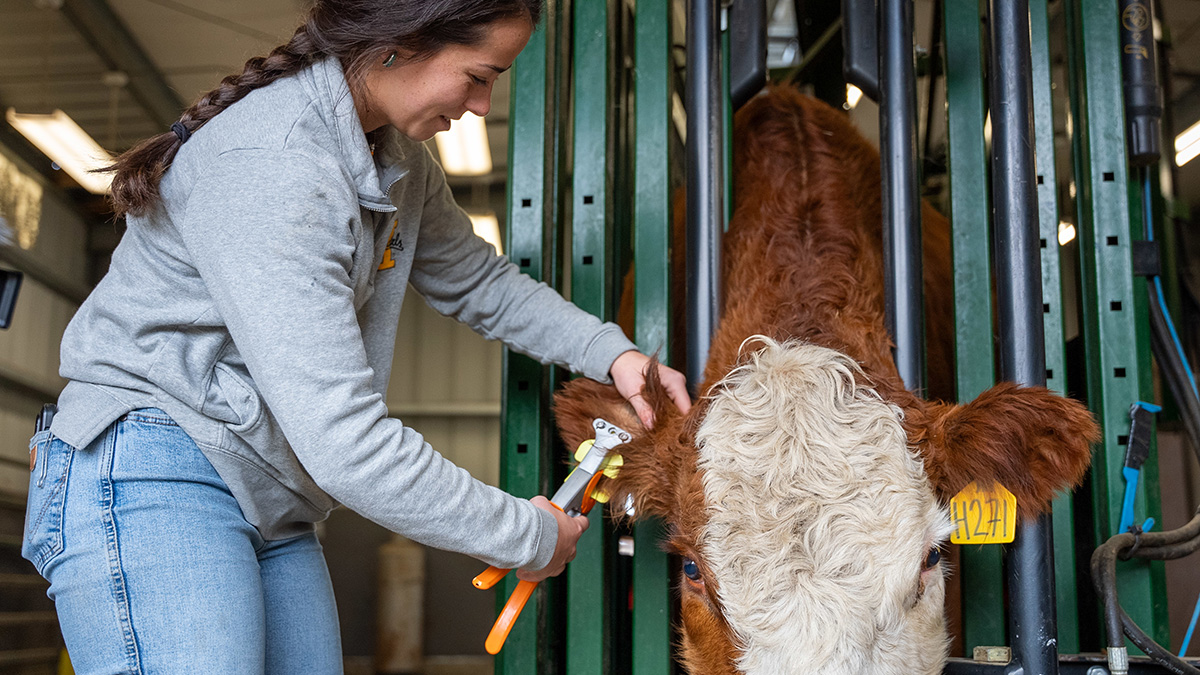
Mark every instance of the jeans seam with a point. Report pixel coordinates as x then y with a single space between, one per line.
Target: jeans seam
116 573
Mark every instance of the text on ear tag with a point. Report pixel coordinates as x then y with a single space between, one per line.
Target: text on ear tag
984 516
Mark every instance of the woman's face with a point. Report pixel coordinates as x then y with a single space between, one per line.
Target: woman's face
420 97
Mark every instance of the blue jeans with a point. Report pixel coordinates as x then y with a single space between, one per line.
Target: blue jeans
153 568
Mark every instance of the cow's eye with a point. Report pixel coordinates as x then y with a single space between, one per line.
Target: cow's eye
935 556
691 569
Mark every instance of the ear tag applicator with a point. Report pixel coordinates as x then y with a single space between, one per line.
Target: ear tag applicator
611 467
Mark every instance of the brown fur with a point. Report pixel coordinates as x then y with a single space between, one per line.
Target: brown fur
803 259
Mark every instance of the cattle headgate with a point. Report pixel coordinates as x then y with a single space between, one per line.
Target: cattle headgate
598 145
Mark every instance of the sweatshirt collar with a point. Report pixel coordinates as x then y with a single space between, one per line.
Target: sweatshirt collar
336 105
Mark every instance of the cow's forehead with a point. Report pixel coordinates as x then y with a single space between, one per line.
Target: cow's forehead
818 513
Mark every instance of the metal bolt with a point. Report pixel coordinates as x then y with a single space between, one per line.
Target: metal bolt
625 546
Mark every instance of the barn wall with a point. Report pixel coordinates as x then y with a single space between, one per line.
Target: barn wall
445 384
29 348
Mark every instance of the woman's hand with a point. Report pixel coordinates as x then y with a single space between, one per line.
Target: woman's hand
629 375
569 530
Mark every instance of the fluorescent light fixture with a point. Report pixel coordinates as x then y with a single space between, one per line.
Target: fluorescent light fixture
853 96
1066 233
67 145
464 148
487 228
1187 145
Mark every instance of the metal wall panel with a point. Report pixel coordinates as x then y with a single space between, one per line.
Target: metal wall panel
29 348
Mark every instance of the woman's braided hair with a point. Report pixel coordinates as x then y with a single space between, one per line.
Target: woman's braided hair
357 32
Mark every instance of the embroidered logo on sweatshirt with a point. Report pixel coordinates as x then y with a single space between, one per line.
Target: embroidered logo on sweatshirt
394 244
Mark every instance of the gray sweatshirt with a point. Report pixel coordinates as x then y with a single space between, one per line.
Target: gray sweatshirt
258 306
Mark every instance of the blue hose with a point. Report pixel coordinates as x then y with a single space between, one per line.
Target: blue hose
1148 220
1162 301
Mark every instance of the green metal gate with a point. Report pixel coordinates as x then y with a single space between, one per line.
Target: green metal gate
589 187
1114 316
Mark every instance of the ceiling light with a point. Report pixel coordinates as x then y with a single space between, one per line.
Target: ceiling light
464 148
1187 145
1187 154
487 228
853 96
67 145
1066 233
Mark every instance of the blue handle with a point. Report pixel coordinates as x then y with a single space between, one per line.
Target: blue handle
1131 481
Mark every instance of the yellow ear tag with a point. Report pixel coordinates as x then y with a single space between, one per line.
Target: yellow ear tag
612 466
984 516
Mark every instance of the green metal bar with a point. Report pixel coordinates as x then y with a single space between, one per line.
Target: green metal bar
524 453
982 567
651 634
1114 302
590 614
1065 590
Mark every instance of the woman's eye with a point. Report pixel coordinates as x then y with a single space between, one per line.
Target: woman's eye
691 569
935 556
478 80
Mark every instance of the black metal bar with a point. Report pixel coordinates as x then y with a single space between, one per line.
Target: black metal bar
935 71
901 201
1069 665
860 30
705 183
1033 625
747 50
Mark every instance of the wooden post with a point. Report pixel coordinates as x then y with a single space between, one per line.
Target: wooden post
401 607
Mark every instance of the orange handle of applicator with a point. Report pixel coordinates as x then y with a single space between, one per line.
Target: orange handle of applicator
516 602
489 577
508 617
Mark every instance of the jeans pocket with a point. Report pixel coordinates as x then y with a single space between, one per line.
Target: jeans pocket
47 498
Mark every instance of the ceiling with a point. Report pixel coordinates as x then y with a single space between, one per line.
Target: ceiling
124 69
71 54
56 54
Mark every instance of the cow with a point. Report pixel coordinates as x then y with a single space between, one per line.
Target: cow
807 491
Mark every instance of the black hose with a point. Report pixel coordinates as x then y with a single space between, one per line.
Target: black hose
1154 650
1174 372
1167 545
1104 578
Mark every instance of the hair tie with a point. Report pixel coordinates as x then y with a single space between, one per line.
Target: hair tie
181 131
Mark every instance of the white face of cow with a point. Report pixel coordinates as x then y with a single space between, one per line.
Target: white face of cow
822 530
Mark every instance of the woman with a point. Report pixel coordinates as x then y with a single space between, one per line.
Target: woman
226 377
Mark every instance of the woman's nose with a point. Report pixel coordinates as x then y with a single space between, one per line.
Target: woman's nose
480 101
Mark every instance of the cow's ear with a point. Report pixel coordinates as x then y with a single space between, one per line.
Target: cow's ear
652 461
582 400
1029 439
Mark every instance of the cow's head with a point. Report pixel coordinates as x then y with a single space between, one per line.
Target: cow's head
807 509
